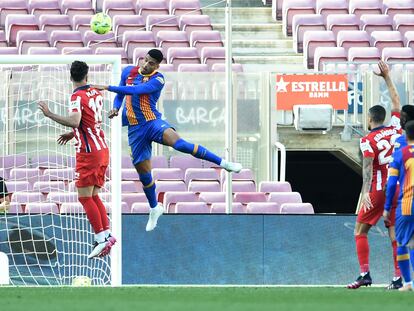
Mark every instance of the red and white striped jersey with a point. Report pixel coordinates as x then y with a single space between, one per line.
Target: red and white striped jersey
379 144
89 135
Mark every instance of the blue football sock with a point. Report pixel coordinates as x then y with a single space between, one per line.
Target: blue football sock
196 150
403 258
149 188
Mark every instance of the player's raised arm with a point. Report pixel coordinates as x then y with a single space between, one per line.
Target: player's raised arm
385 73
73 120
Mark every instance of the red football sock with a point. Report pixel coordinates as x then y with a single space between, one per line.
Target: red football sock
102 211
397 272
362 247
92 212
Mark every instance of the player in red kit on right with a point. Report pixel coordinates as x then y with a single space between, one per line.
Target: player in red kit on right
92 154
377 147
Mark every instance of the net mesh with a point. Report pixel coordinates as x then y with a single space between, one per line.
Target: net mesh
45 232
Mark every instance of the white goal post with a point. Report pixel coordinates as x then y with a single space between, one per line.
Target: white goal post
115 142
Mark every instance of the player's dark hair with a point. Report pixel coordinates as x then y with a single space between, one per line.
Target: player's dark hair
78 70
377 113
409 130
156 54
409 112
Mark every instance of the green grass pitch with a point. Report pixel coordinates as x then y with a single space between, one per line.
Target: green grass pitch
200 298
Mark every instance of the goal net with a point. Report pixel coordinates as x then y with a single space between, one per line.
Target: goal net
45 232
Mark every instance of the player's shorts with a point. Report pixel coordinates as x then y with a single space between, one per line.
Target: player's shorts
374 214
404 229
141 136
91 167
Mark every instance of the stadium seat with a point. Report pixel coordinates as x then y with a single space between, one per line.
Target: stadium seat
285 197
396 54
51 23
77 7
241 186
200 174
262 208
159 161
41 208
361 7
173 197
66 38
16 23
403 23
338 22
23 197
138 56
43 51
157 23
152 7
122 23
296 208
302 23
25 174
220 208
177 56
213 55
118 7
49 186
212 197
293 7
113 51
274 186
331 7
376 22
329 54
204 186
93 40
167 39
167 174
313 40
369 54
30 38
13 186
191 208
163 186
353 38
219 67
409 39
184 162
383 39
393 7
201 38
247 197
40 7
185 7
63 174
137 39
193 68
140 208
190 23
131 198
81 23
77 50
12 7
62 197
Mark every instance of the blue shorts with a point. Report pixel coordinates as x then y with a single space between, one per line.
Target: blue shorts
404 229
141 136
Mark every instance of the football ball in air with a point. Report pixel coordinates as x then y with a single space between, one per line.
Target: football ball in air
101 23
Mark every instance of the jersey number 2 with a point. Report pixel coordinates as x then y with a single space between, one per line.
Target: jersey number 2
96 105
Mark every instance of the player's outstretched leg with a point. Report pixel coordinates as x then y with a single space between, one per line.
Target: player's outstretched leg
202 153
156 209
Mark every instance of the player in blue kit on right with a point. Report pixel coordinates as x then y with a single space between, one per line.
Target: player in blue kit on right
139 91
401 170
